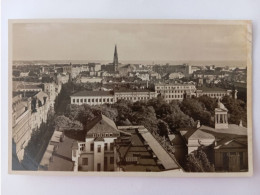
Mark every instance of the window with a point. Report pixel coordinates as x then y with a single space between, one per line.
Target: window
100 100
99 148
85 100
105 163
73 100
98 167
92 147
77 100
112 160
81 100
111 146
84 161
88 100
92 100
105 146
96 100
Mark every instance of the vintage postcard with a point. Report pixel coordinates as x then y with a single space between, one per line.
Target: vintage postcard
130 97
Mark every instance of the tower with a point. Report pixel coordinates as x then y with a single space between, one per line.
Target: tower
115 61
221 117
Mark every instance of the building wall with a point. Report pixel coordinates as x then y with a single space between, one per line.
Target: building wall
94 157
92 100
134 96
171 92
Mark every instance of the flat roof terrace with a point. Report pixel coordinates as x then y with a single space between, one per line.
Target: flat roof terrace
62 157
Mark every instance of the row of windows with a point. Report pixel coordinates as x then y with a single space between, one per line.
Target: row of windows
176 87
82 146
85 161
176 91
133 98
214 94
93 100
174 96
102 134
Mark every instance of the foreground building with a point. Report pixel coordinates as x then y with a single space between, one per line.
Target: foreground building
97 152
125 148
21 121
226 143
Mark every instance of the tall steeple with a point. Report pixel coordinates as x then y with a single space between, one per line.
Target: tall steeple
115 62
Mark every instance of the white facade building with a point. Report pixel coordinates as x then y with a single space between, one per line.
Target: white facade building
92 97
97 152
171 92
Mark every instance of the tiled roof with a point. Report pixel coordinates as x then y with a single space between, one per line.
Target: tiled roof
101 124
131 90
92 93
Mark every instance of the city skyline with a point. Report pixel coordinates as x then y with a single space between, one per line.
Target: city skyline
136 42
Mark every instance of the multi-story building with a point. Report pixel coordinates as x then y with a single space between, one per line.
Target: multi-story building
110 97
40 107
92 97
98 151
134 95
215 92
51 90
28 87
21 123
171 92
63 78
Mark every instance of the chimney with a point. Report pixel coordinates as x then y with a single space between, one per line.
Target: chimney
240 123
198 124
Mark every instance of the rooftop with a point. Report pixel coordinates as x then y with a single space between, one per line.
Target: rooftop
167 161
101 125
211 89
92 93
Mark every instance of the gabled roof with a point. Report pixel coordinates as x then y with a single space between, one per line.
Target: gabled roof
229 143
101 124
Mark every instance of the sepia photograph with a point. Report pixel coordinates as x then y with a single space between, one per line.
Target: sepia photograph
158 97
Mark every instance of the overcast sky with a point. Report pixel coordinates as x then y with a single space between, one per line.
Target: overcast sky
95 41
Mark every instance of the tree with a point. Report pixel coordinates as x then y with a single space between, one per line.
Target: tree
63 122
237 110
163 128
198 161
196 110
106 110
209 103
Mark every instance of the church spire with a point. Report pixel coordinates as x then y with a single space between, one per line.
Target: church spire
115 62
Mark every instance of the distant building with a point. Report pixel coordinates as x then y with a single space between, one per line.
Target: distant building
134 95
174 91
215 92
63 78
28 87
51 89
98 151
115 61
92 97
84 79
